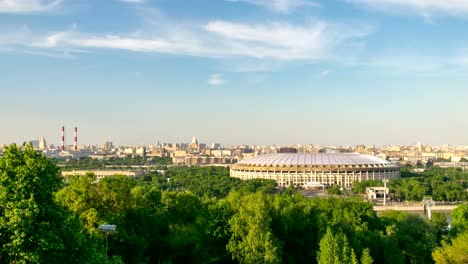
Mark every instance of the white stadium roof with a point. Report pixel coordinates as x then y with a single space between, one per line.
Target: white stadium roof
313 159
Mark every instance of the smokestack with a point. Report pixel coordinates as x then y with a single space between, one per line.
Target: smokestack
63 138
75 144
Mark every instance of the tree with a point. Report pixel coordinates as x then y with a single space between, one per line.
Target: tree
459 219
453 253
335 249
366 257
33 227
416 237
252 240
335 190
439 222
360 187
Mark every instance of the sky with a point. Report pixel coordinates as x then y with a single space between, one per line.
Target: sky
334 72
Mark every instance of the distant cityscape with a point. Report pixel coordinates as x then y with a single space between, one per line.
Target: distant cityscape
197 153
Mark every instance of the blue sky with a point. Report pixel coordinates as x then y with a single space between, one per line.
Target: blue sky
235 71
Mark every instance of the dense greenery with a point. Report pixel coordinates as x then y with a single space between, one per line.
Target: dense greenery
360 187
87 163
440 184
206 181
33 227
201 215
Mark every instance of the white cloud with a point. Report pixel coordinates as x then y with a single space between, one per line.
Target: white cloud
274 41
216 80
422 7
27 6
280 6
133 1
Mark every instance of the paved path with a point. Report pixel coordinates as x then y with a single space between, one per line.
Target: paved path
414 208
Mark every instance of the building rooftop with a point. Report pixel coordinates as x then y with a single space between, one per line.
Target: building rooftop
312 159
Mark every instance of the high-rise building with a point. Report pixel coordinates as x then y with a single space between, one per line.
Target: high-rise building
108 145
42 144
35 144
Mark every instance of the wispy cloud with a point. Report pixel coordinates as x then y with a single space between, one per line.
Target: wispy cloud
412 64
27 6
133 1
216 80
216 39
425 8
280 6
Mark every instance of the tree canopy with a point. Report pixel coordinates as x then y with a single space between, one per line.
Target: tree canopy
33 227
201 215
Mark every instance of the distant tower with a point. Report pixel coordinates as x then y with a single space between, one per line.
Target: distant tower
194 145
420 147
42 144
75 142
63 139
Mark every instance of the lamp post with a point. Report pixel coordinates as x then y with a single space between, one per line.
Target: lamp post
107 229
385 192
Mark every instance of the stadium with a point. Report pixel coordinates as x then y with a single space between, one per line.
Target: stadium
314 170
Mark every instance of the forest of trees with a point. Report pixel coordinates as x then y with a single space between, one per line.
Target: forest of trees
441 184
87 163
201 215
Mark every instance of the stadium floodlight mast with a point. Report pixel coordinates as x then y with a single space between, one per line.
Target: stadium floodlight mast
107 229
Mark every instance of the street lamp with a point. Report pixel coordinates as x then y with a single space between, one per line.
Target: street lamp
107 229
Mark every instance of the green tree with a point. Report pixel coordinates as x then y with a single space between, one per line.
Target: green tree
455 252
439 222
360 187
335 249
335 190
252 240
135 210
459 219
366 257
416 237
33 227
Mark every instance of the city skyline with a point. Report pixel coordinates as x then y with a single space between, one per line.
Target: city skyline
72 140
284 72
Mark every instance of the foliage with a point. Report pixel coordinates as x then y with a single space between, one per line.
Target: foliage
439 222
366 257
441 184
335 249
360 187
33 228
252 240
208 181
416 237
135 210
201 215
335 190
87 163
459 219
455 252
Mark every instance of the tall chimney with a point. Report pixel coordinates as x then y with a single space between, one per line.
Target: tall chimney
75 144
63 138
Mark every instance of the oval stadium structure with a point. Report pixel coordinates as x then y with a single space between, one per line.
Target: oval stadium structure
317 169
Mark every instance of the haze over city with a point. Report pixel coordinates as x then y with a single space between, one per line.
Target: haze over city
235 71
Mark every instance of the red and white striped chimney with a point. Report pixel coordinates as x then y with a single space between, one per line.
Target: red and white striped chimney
75 144
63 138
